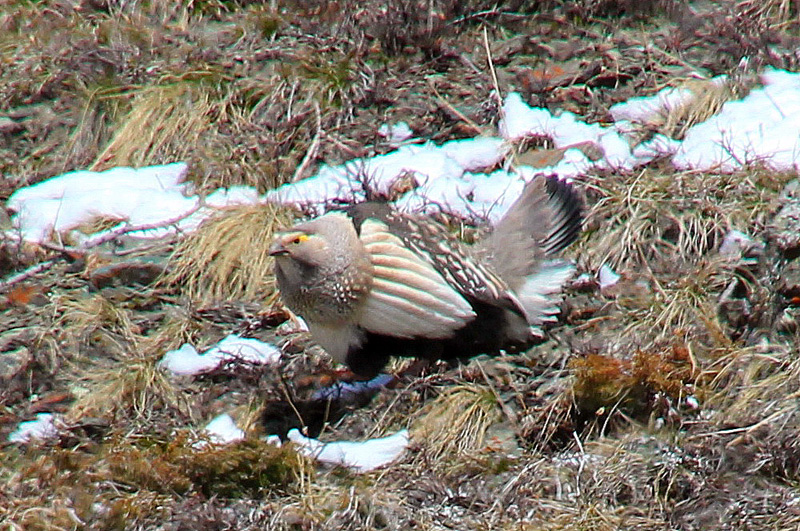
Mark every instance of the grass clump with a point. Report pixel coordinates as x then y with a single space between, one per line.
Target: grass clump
708 97
134 385
656 218
457 421
251 468
227 257
162 124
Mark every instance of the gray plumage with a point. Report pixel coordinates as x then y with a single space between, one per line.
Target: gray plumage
372 282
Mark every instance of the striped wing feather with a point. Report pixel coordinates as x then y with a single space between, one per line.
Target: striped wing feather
409 298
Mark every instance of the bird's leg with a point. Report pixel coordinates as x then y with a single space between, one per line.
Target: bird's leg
344 374
354 390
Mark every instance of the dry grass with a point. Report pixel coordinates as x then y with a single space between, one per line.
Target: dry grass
661 231
132 386
164 123
773 13
708 97
455 424
592 430
227 257
653 217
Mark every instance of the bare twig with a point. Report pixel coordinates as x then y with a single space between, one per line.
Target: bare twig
444 103
126 229
90 243
31 271
491 68
312 149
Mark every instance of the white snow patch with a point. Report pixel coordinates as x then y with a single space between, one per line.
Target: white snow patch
646 108
187 361
607 277
150 195
658 146
396 133
471 196
41 429
521 121
360 456
426 163
762 127
223 430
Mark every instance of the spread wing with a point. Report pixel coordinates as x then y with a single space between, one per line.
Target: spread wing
544 220
454 261
409 297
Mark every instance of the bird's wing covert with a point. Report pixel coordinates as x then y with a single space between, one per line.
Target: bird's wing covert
454 261
409 298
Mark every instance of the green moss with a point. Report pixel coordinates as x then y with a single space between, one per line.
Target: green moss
250 468
153 467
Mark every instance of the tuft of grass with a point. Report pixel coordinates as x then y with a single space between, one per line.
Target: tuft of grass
456 422
164 123
707 99
96 325
657 217
130 385
681 301
340 500
664 228
227 257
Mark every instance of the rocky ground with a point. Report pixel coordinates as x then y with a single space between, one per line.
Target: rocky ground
668 400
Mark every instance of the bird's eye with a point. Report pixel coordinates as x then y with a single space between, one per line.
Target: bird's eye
299 239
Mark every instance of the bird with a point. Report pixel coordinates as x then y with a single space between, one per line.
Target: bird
373 282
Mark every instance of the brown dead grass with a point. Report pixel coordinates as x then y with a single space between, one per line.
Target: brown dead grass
227 257
589 431
164 123
708 97
455 424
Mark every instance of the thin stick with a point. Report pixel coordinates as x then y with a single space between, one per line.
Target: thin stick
125 228
491 68
475 127
312 149
31 271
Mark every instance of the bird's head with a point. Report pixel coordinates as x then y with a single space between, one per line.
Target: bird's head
329 241
321 267
300 246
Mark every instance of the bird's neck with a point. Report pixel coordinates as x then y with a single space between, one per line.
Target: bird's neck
328 294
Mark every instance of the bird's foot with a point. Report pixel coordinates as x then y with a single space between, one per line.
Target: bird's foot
347 391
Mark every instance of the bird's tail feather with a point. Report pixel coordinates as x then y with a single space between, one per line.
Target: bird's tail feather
540 294
567 218
544 220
